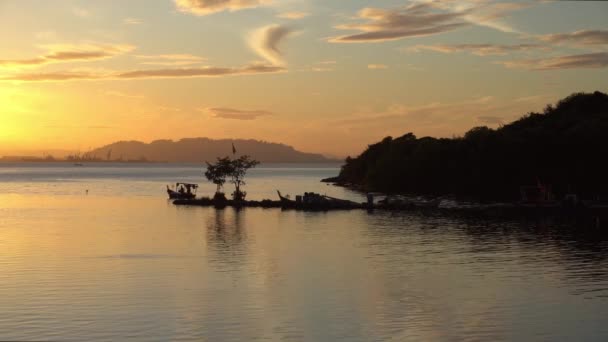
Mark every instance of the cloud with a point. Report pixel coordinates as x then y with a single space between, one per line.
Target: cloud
236 114
250 69
206 7
377 66
383 25
266 41
584 37
484 13
293 15
70 53
423 18
171 59
132 21
199 72
581 61
476 49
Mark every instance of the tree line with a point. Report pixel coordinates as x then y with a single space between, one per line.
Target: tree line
565 147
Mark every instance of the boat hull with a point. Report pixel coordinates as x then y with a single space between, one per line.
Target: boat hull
178 195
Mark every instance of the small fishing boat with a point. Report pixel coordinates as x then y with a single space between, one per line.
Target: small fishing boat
182 191
314 201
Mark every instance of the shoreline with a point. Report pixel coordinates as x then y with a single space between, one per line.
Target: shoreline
497 210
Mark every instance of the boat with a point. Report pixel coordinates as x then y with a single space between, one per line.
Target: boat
183 191
285 200
314 201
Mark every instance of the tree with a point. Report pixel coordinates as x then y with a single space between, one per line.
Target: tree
236 170
237 175
217 172
562 147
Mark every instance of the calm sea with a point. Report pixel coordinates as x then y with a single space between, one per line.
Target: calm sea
123 263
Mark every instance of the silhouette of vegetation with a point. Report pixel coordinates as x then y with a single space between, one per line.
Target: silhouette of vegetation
217 173
234 170
564 147
237 176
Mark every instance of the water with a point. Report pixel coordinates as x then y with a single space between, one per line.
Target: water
123 263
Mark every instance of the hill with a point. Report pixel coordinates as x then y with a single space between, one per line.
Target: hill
564 146
203 149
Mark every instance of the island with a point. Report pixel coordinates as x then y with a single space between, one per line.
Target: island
562 150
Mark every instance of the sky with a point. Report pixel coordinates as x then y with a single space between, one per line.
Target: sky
325 76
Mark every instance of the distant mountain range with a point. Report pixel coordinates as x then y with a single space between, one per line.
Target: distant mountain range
204 149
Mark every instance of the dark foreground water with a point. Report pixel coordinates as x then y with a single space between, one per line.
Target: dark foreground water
123 263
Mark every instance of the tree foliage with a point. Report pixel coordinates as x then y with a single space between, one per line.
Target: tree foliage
564 146
231 170
237 175
217 172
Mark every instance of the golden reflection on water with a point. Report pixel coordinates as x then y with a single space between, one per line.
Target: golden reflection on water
109 267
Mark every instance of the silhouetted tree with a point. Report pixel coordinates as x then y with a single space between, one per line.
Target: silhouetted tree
240 166
564 146
217 174
235 170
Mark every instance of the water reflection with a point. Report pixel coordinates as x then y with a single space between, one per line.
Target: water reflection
227 237
126 265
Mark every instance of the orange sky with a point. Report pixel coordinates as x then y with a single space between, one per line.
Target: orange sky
323 76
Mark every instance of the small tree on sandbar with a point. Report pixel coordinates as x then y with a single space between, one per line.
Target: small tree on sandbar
217 174
237 175
235 169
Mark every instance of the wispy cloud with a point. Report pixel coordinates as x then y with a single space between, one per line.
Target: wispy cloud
580 61
206 7
293 15
377 66
170 59
584 37
236 114
423 18
476 49
391 24
267 40
484 13
250 69
59 53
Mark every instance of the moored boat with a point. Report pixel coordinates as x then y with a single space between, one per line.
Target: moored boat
183 191
314 201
